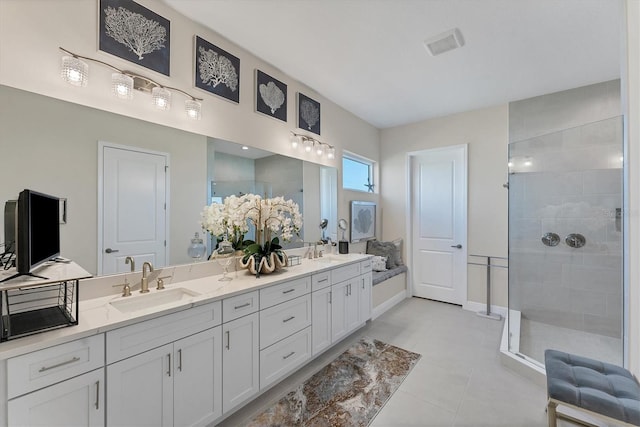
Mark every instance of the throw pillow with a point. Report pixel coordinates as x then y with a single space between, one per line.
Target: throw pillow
398 253
385 249
379 263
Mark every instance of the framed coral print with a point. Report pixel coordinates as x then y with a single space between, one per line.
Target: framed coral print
308 114
135 33
271 96
363 221
217 71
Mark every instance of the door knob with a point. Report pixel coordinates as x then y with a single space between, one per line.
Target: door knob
458 246
109 250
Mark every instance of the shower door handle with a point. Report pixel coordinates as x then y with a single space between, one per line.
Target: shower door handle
458 246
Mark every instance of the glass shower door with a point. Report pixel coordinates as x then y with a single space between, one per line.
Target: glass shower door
565 243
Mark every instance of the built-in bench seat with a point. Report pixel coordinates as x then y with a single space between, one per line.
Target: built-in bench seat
381 276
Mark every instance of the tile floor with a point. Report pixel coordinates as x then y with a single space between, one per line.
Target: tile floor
459 381
535 337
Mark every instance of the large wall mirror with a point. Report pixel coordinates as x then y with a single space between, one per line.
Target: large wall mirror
63 149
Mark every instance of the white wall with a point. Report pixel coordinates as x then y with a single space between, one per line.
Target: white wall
486 132
31 32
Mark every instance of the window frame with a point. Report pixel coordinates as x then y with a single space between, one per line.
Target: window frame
370 166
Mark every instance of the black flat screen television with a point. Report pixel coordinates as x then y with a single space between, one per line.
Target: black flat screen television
38 234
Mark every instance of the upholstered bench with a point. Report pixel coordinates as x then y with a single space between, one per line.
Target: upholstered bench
601 389
381 276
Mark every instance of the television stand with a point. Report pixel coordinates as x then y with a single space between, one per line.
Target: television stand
31 304
23 274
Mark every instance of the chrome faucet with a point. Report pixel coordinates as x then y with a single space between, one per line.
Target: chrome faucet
130 260
144 284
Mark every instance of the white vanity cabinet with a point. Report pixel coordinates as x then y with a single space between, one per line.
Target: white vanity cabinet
285 329
170 382
365 290
240 353
58 386
75 402
341 302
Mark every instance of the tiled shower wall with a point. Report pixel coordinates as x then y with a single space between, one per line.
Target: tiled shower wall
566 177
568 182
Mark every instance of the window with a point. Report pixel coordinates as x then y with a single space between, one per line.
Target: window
357 173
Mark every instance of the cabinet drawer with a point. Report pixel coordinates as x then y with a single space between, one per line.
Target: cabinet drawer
54 364
284 319
320 280
365 266
240 305
143 336
284 292
346 272
283 357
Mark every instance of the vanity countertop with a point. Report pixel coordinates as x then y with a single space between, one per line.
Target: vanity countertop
98 315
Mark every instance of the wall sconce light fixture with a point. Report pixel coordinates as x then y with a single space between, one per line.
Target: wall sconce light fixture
75 71
310 144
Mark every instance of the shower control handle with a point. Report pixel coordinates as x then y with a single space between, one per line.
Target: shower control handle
550 239
575 240
458 246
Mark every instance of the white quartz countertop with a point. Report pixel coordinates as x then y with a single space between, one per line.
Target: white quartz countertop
99 315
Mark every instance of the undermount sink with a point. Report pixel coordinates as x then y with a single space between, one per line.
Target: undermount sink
152 300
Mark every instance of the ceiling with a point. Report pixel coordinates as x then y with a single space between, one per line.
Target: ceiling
368 55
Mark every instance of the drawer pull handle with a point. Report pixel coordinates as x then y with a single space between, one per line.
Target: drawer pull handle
290 318
289 355
57 365
286 292
323 280
97 395
246 304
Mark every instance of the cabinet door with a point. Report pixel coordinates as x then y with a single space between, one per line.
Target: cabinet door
140 389
75 402
197 380
364 297
338 311
320 320
240 359
352 304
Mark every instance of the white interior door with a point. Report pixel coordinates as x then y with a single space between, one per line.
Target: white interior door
439 224
133 214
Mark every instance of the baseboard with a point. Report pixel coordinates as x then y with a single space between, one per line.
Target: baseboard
388 304
478 306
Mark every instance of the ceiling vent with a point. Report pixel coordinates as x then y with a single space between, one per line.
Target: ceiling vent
444 42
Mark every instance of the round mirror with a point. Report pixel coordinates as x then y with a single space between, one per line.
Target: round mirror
342 225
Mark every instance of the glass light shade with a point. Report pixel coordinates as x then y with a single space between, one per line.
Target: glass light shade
193 109
331 153
295 140
161 98
308 145
122 85
74 71
319 149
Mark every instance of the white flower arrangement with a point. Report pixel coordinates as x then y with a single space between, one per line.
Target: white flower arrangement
275 216
270 216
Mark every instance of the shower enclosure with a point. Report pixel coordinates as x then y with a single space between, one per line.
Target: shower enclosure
566 243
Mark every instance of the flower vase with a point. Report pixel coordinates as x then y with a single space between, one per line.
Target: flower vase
267 264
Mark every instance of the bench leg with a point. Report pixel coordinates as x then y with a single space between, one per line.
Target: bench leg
551 413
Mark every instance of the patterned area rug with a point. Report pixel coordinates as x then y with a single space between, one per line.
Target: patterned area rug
349 391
